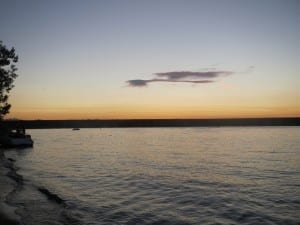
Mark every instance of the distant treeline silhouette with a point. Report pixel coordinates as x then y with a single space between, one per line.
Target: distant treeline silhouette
46 124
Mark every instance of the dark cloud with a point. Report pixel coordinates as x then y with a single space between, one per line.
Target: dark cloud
137 83
176 75
143 83
181 77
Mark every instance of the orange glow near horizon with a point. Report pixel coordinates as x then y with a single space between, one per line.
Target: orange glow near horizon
157 102
154 113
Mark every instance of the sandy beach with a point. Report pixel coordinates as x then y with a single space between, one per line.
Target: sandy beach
7 185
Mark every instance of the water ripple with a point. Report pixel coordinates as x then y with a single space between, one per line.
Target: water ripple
163 176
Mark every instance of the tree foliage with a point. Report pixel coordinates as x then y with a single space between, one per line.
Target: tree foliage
8 58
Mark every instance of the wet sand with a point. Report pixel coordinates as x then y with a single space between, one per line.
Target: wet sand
6 221
7 185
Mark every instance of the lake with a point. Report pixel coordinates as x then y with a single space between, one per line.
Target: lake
232 175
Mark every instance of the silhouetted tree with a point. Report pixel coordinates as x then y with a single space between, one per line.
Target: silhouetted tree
7 76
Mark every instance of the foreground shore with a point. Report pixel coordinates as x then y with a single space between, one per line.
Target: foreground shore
7 186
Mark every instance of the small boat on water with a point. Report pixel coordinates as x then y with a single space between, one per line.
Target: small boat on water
76 129
17 138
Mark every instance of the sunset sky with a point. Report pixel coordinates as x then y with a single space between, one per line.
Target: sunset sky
153 59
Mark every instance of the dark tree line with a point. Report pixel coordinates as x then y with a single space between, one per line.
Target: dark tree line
8 58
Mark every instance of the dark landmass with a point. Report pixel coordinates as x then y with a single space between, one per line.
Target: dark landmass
48 124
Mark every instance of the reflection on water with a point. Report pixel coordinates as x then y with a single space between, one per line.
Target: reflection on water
162 176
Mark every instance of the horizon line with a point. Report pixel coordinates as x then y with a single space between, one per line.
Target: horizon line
118 119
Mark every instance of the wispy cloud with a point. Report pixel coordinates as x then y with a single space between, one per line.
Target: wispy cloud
143 83
138 83
177 75
181 77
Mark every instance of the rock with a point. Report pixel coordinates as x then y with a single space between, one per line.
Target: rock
51 196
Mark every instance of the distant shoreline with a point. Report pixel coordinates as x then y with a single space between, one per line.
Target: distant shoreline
127 123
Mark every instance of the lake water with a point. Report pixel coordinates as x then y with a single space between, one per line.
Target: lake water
164 176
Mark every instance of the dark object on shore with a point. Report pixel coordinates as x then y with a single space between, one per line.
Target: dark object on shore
16 138
76 129
51 196
11 159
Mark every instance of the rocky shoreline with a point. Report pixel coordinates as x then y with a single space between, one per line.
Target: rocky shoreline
9 182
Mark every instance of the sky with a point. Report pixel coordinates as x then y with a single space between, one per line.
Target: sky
153 59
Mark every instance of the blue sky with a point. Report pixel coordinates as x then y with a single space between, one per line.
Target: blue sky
77 56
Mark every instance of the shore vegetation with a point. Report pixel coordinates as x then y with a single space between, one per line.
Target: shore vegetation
8 59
